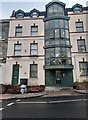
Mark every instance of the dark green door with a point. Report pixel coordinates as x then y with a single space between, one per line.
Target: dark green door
58 77
15 75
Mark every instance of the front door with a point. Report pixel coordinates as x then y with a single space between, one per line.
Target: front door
15 75
58 77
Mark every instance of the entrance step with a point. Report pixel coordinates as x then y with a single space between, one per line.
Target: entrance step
57 88
52 88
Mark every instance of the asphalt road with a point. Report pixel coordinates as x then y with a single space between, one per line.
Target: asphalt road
43 107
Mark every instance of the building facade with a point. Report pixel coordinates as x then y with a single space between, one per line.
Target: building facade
4 28
78 25
49 47
58 63
25 55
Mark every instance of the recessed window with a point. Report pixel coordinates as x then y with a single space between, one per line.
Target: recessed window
83 68
18 31
34 30
33 71
34 49
17 49
19 15
81 45
79 26
77 10
34 14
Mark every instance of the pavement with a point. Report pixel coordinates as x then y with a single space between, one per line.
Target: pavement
45 93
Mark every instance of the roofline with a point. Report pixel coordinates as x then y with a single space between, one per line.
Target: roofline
4 20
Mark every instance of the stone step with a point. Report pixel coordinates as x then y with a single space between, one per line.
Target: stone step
57 88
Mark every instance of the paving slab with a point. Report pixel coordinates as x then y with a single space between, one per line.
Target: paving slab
46 93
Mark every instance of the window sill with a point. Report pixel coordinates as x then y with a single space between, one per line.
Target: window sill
16 56
33 78
34 55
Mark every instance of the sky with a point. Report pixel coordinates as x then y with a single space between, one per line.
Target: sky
7 6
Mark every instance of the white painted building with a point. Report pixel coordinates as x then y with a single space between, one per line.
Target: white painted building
78 25
25 55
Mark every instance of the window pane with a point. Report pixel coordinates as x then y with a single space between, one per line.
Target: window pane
34 49
50 11
18 31
79 26
81 45
47 42
83 68
47 52
51 52
51 33
57 33
33 52
66 24
67 42
17 47
51 42
34 30
56 23
68 51
77 9
33 71
63 42
20 15
34 34
67 33
17 53
63 52
47 34
55 11
62 33
57 52
33 46
47 61
18 34
79 29
57 41
47 25
51 24
34 14
61 23
60 10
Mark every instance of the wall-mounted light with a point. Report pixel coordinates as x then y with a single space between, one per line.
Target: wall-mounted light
20 66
